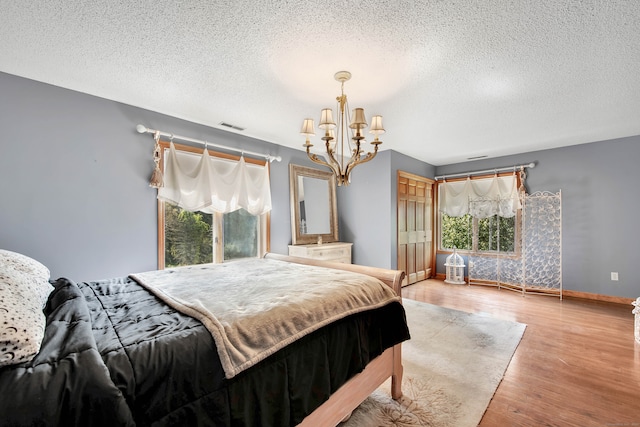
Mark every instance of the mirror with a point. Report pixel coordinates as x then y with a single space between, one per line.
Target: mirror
314 215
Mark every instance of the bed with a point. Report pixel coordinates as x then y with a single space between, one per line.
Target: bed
115 352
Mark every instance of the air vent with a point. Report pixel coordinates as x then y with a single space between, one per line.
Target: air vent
229 125
477 157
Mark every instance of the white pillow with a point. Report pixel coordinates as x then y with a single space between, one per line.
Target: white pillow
21 268
22 323
24 290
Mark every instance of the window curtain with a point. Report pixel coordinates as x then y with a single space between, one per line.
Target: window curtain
482 198
211 184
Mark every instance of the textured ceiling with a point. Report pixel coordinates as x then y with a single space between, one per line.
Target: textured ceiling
453 79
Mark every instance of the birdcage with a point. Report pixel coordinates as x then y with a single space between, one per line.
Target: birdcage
455 269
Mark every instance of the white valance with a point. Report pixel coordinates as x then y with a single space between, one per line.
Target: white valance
482 198
210 184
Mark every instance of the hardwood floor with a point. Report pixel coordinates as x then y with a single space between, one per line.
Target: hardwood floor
577 363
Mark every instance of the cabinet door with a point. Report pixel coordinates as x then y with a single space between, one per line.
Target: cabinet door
415 226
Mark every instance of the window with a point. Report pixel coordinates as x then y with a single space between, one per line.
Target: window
189 238
493 234
195 238
473 226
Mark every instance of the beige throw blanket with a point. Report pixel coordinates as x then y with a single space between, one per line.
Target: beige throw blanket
255 307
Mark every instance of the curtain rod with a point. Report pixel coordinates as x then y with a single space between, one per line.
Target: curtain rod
513 168
144 129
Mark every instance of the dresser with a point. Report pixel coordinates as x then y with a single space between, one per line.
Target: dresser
335 251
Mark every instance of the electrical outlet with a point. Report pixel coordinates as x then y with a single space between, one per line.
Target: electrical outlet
614 276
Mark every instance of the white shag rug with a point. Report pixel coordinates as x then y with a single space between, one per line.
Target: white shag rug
453 365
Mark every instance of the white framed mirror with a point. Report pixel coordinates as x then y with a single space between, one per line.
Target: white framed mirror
314 215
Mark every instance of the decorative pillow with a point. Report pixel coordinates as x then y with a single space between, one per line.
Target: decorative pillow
24 290
15 266
22 323
24 263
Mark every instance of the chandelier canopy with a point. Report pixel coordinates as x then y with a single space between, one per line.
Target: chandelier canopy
343 139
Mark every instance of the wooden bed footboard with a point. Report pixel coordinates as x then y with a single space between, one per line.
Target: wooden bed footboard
388 364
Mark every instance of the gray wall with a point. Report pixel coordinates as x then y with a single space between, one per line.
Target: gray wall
365 212
368 212
599 209
74 180
74 190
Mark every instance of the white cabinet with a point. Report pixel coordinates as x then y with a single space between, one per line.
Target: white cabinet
336 251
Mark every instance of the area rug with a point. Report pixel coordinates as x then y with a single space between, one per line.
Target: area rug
453 365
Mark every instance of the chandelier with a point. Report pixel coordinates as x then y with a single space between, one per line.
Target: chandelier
343 139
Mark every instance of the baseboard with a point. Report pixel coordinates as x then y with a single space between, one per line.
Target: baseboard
596 297
574 294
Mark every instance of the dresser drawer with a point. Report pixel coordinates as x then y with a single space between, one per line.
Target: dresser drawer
328 253
337 252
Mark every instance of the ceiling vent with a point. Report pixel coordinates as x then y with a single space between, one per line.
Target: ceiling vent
477 157
230 126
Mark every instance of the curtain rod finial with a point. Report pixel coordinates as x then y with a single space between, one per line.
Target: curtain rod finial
531 165
141 128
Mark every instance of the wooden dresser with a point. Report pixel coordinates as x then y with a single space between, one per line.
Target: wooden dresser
336 251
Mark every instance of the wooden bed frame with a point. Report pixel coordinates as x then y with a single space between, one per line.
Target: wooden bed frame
389 364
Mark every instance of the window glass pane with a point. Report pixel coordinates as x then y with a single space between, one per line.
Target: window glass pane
240 235
487 234
188 237
508 234
456 232
496 229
